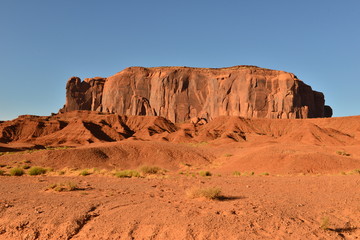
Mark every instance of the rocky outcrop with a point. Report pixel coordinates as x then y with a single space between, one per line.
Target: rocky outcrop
86 95
183 93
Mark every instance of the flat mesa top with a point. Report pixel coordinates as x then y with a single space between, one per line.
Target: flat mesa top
200 68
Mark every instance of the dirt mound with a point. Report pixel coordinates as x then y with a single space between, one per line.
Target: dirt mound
118 155
307 131
81 127
274 158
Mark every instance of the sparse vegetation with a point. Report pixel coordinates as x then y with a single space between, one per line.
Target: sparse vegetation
237 173
211 193
325 223
149 169
36 171
127 174
63 187
84 173
61 172
228 155
26 167
16 171
265 174
343 153
186 164
2 172
205 173
356 171
7 153
57 148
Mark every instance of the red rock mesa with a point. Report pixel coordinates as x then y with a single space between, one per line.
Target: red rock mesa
182 94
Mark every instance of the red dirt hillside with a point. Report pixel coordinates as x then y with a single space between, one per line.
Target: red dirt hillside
224 144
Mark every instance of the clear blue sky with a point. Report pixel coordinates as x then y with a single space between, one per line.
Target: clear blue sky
43 43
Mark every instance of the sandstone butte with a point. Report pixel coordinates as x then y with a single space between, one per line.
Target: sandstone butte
183 94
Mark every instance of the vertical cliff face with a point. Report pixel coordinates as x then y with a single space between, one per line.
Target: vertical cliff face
182 93
86 95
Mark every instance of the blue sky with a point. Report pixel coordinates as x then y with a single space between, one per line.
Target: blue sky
43 43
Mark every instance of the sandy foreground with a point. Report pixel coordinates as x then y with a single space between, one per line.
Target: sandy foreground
159 207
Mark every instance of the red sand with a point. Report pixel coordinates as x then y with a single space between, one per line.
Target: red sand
267 207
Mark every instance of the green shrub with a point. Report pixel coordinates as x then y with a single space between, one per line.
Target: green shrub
265 174
205 173
16 171
127 174
2 172
26 167
36 171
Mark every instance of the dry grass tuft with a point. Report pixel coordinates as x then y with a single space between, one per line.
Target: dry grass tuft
16 172
211 193
36 171
150 169
84 172
127 174
63 187
343 153
325 223
205 173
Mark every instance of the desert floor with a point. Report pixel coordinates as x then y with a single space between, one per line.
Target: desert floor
160 207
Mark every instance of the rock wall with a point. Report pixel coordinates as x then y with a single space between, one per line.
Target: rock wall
182 93
86 95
